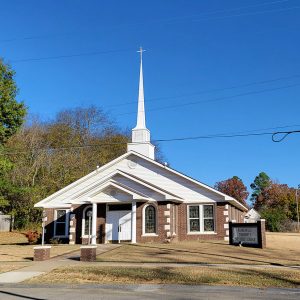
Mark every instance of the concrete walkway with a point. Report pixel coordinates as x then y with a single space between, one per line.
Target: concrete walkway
73 259
37 268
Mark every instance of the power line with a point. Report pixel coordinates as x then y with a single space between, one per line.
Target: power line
70 55
249 133
279 136
172 20
211 90
250 13
215 99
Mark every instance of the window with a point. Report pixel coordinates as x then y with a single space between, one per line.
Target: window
208 218
194 218
201 218
87 221
60 228
150 219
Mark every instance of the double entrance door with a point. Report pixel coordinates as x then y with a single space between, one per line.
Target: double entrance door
118 225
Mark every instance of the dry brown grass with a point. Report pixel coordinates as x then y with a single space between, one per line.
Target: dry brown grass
282 249
12 238
186 275
14 247
10 267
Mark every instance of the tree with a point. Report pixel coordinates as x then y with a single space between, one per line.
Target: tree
279 196
43 157
276 204
233 187
12 113
261 182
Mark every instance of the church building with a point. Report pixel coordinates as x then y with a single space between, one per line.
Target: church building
137 199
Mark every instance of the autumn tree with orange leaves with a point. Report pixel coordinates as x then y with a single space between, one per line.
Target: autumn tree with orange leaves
233 187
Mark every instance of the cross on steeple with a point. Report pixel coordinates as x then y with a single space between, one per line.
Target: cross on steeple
141 52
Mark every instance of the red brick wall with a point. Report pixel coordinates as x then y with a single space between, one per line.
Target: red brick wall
180 220
49 224
101 213
220 219
235 214
161 207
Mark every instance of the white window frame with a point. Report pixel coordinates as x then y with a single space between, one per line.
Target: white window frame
201 219
83 221
66 225
156 221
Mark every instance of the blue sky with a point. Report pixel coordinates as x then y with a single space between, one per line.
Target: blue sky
211 67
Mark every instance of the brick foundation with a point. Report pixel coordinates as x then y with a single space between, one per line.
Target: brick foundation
88 253
41 253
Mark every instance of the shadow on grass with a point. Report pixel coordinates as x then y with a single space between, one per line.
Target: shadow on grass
188 276
215 255
280 279
15 244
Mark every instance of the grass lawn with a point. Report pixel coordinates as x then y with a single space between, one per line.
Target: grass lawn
179 275
282 249
14 248
10 267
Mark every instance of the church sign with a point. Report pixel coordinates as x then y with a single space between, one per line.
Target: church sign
247 234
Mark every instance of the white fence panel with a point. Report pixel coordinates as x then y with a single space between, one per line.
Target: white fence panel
5 221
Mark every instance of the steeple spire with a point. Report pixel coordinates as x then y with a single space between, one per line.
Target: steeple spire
140 133
141 121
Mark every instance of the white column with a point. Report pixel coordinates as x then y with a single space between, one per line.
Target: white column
133 223
94 224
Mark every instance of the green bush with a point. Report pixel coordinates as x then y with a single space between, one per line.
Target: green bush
276 219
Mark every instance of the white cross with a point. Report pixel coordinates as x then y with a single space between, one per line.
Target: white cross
141 51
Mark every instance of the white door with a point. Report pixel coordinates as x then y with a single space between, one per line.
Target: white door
118 225
125 226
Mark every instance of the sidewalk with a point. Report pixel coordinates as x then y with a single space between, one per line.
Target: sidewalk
37 268
73 259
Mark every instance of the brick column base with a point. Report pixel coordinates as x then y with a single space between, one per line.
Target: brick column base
41 253
262 228
88 253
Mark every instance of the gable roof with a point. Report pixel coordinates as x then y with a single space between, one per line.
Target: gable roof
88 183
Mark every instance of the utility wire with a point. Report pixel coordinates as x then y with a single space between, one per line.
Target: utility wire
71 55
215 99
279 136
171 20
211 90
211 136
249 13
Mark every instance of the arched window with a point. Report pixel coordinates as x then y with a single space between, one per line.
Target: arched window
150 219
87 221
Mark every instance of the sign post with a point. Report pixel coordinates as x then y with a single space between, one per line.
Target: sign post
44 216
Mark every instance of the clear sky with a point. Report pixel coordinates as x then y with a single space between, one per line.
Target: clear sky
211 67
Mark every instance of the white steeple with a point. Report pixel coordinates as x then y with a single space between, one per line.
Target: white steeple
140 134
141 122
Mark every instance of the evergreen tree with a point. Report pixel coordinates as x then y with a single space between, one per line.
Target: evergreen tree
12 113
261 182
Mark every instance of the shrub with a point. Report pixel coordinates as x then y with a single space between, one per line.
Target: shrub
33 237
56 241
276 219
